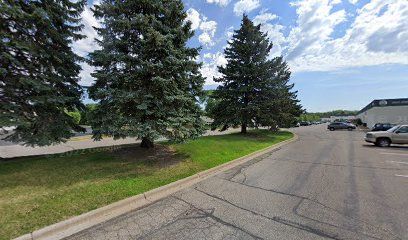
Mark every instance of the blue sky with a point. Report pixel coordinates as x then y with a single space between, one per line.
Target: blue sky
342 53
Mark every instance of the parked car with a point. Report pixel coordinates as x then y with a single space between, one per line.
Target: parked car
397 134
304 123
382 127
340 125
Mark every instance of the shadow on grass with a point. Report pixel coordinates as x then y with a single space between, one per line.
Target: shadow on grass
72 167
117 162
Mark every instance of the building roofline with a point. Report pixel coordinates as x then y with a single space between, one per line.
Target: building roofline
385 103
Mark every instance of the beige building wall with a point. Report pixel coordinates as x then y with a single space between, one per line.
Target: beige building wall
388 114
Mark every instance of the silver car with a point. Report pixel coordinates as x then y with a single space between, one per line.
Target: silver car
395 135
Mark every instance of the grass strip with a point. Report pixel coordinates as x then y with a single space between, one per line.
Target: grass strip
38 191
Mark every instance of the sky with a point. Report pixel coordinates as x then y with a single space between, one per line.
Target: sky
342 53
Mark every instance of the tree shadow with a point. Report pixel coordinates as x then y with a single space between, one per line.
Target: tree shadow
99 164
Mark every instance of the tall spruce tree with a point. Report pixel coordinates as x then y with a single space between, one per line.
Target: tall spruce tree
38 69
254 90
147 80
278 103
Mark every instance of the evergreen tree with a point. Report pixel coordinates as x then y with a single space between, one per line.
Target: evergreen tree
147 82
38 69
279 105
255 89
208 102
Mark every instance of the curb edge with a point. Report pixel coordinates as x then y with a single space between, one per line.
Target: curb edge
94 217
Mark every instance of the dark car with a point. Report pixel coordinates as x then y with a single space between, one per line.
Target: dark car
382 127
304 123
341 125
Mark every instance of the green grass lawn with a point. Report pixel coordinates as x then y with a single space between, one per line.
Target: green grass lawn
39 191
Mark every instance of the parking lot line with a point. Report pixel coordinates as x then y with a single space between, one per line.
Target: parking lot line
397 175
397 162
397 154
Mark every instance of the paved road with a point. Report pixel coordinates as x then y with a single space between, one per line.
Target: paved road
327 185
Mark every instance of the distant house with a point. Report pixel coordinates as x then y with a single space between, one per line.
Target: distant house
394 111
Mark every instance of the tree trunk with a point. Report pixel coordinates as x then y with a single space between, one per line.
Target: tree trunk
146 143
273 128
244 128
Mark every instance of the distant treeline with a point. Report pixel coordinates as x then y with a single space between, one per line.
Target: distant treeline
317 116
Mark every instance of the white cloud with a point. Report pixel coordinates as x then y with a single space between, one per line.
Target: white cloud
206 37
209 68
264 17
84 46
194 17
384 27
245 6
353 1
315 24
377 35
85 75
207 55
221 3
273 31
219 59
209 72
275 34
209 26
229 32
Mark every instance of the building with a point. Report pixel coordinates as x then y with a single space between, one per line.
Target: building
325 119
341 118
394 111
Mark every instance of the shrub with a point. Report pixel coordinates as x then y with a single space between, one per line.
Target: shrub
76 116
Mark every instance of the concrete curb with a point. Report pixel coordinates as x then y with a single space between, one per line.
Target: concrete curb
78 223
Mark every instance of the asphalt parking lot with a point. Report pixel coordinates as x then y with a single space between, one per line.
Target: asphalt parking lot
326 185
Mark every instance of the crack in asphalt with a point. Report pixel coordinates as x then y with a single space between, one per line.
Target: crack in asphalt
276 219
177 218
378 190
301 179
242 168
217 219
295 210
351 208
334 165
302 198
